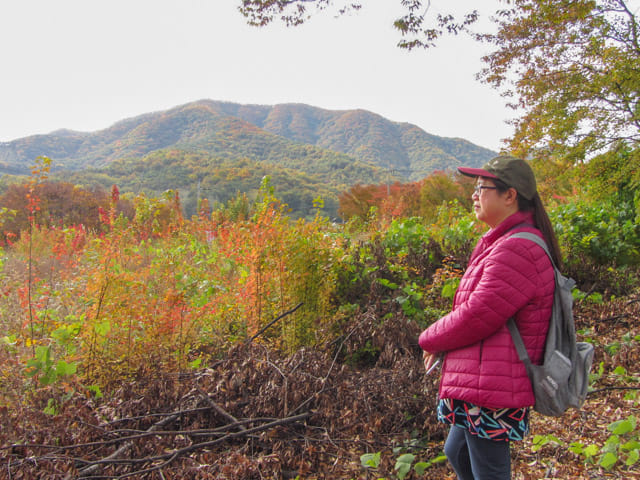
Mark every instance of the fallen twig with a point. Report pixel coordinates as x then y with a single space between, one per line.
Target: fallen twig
614 318
171 456
93 466
263 329
204 432
218 408
606 389
170 414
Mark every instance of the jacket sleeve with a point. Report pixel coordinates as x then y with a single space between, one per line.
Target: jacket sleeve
507 282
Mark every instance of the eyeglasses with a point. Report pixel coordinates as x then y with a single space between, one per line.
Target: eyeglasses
478 189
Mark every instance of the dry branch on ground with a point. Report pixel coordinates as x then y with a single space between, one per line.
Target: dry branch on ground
258 414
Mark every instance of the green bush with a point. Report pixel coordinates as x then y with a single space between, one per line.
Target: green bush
456 230
391 268
605 233
600 244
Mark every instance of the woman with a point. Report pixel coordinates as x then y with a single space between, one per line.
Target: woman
485 393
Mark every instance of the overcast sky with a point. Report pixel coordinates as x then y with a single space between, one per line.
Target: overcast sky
86 64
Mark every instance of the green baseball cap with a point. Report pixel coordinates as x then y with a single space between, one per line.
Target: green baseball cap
512 171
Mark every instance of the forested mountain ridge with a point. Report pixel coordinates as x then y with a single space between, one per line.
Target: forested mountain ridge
404 148
289 135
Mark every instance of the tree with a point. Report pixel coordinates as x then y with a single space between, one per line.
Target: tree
418 26
406 199
358 201
59 204
572 68
440 188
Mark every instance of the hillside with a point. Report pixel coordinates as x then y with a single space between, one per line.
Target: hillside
200 175
290 135
408 150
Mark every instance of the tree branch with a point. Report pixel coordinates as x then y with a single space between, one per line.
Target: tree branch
218 408
171 456
263 329
607 389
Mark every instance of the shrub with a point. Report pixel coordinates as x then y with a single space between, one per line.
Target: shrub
456 230
601 244
605 233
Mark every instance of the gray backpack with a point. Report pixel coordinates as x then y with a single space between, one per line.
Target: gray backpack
562 379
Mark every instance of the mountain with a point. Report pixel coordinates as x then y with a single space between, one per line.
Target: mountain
404 148
215 150
293 136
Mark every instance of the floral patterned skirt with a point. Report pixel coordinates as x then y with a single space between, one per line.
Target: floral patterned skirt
500 424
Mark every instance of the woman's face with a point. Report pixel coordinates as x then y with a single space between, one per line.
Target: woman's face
490 205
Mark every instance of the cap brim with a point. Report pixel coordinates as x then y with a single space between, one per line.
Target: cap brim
475 172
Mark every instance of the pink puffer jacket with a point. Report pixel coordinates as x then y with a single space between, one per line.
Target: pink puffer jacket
505 277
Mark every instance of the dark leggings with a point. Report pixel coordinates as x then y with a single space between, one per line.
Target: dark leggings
475 458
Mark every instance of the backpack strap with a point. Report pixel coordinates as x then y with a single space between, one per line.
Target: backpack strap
517 341
536 239
511 324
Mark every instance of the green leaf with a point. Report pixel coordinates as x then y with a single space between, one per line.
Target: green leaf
631 396
612 348
590 451
9 340
612 444
621 427
406 458
608 460
65 333
49 377
51 408
630 445
403 470
619 370
102 328
632 459
40 363
420 467
95 389
370 460
43 354
403 464
450 287
63 368
386 283
577 448
540 441
439 459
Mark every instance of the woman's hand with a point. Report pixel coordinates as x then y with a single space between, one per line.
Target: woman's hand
428 359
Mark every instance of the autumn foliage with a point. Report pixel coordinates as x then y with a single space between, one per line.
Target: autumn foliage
59 204
295 337
414 199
